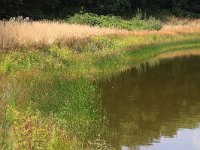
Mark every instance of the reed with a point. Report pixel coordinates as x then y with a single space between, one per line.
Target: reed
38 34
13 34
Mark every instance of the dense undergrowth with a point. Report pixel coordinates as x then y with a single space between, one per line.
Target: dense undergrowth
47 101
136 23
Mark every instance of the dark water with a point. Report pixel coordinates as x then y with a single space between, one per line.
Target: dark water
155 109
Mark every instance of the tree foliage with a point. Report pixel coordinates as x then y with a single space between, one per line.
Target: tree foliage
62 8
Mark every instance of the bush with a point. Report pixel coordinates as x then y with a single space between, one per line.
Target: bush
137 23
87 18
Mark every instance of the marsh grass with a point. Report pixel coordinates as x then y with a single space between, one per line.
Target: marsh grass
42 34
53 113
94 57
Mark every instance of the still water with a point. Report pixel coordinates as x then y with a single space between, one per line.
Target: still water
156 108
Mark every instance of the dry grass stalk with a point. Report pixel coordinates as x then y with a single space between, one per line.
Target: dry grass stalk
27 34
184 25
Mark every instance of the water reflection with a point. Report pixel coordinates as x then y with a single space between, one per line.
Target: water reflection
155 109
184 140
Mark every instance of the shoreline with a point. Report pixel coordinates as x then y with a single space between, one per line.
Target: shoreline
40 86
100 56
175 54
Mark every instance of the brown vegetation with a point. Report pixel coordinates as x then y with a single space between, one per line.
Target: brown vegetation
26 34
31 33
174 24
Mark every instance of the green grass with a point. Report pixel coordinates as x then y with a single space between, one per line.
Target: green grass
94 57
51 112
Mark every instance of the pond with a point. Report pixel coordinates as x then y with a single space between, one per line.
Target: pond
155 108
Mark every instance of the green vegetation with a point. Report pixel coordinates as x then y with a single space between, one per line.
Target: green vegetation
61 8
51 113
136 23
48 99
93 57
46 102
47 96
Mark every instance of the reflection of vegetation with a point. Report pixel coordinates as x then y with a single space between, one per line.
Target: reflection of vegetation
156 102
52 112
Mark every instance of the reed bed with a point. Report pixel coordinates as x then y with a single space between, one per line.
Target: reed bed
15 34
183 25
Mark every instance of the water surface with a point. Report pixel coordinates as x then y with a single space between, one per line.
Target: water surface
157 108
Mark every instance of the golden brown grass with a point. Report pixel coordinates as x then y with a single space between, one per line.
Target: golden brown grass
182 25
172 20
27 33
43 33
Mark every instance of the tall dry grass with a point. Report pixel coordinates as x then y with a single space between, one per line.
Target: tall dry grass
43 33
14 34
184 25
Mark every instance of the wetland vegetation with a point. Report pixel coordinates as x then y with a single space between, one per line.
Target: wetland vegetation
84 86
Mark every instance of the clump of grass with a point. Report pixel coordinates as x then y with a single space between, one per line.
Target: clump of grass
136 23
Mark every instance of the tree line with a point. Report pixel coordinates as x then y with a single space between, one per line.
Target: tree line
50 9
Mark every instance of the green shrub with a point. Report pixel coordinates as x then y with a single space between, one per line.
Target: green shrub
87 18
136 23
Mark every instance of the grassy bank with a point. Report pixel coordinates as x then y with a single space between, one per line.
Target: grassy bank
95 56
46 98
